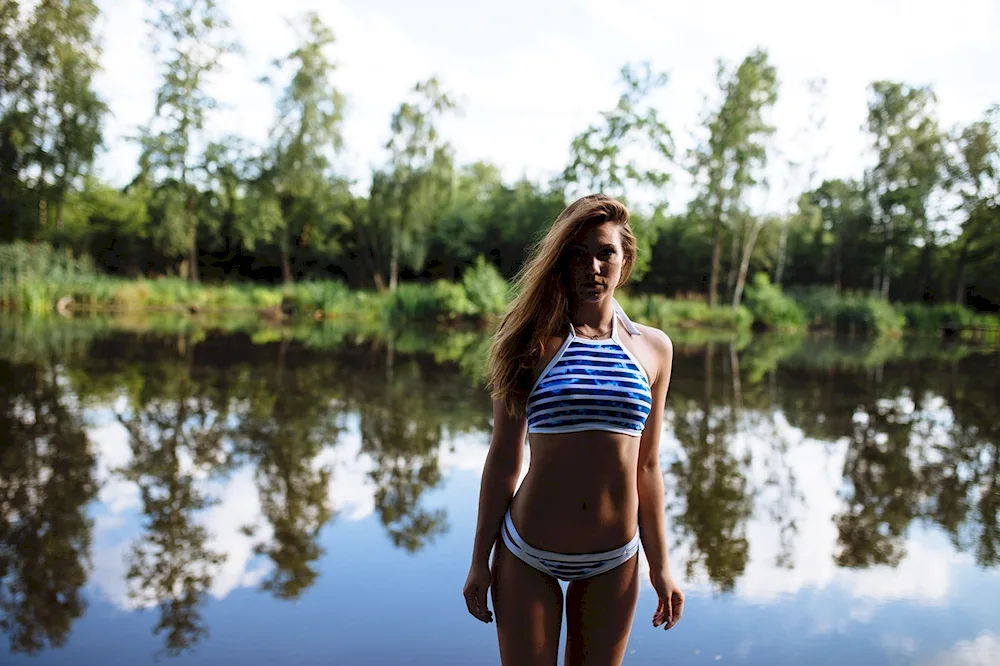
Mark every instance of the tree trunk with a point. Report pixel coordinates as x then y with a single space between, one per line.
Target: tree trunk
779 272
286 203
713 283
926 269
394 261
734 261
286 267
751 240
886 265
963 257
193 256
887 262
394 268
734 362
838 258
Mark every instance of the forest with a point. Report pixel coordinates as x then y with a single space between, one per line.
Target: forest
920 225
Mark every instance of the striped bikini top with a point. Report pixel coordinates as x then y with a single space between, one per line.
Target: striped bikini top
591 385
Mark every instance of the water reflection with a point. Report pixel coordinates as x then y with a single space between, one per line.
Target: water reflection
214 462
47 470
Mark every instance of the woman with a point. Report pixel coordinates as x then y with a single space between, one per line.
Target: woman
569 369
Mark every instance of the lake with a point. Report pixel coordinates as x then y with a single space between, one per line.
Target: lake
192 496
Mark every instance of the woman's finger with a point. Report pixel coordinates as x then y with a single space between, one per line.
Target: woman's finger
677 608
475 599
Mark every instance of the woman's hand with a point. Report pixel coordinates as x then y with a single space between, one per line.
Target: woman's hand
476 585
671 599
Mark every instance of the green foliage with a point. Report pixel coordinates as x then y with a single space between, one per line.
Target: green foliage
50 114
192 38
771 307
668 314
603 157
911 159
849 313
414 188
440 300
229 211
485 288
307 132
934 319
730 160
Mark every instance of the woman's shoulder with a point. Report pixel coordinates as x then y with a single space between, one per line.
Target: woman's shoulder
659 345
550 347
655 337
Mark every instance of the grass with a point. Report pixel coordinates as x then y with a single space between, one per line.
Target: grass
849 314
34 278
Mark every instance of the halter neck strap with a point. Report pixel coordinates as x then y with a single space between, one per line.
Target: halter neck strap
629 326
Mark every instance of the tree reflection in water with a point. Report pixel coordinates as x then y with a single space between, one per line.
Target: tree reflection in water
47 472
919 442
176 432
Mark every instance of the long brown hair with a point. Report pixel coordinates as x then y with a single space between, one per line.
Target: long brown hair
540 308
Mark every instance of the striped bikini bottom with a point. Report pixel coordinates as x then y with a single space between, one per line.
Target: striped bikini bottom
565 567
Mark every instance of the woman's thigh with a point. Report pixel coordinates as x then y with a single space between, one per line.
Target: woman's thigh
599 614
527 606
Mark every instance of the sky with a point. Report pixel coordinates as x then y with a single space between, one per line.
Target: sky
530 74
798 483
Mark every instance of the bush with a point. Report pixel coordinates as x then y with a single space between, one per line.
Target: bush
327 295
850 314
932 318
421 302
668 314
770 307
485 287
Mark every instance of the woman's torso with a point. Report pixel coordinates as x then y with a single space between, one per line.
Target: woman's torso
580 494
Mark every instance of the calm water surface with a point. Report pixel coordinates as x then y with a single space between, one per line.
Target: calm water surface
193 498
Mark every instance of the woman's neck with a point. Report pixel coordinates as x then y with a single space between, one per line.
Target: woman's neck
594 317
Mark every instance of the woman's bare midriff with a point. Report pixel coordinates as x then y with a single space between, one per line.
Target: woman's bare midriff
579 494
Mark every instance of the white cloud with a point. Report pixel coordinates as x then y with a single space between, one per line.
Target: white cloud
981 651
801 485
112 451
531 76
792 478
238 505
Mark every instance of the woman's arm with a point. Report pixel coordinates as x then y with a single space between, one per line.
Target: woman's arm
652 509
499 480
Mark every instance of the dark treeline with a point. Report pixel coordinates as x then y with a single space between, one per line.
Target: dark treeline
921 224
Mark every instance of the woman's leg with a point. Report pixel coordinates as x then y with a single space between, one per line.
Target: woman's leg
599 613
527 606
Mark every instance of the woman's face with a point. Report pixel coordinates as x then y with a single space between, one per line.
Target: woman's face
595 262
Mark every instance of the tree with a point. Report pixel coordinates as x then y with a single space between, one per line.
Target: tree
975 177
15 121
727 164
806 136
50 130
190 34
224 199
306 135
909 147
415 187
604 156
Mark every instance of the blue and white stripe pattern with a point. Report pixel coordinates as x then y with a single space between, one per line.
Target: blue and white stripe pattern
566 567
591 385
